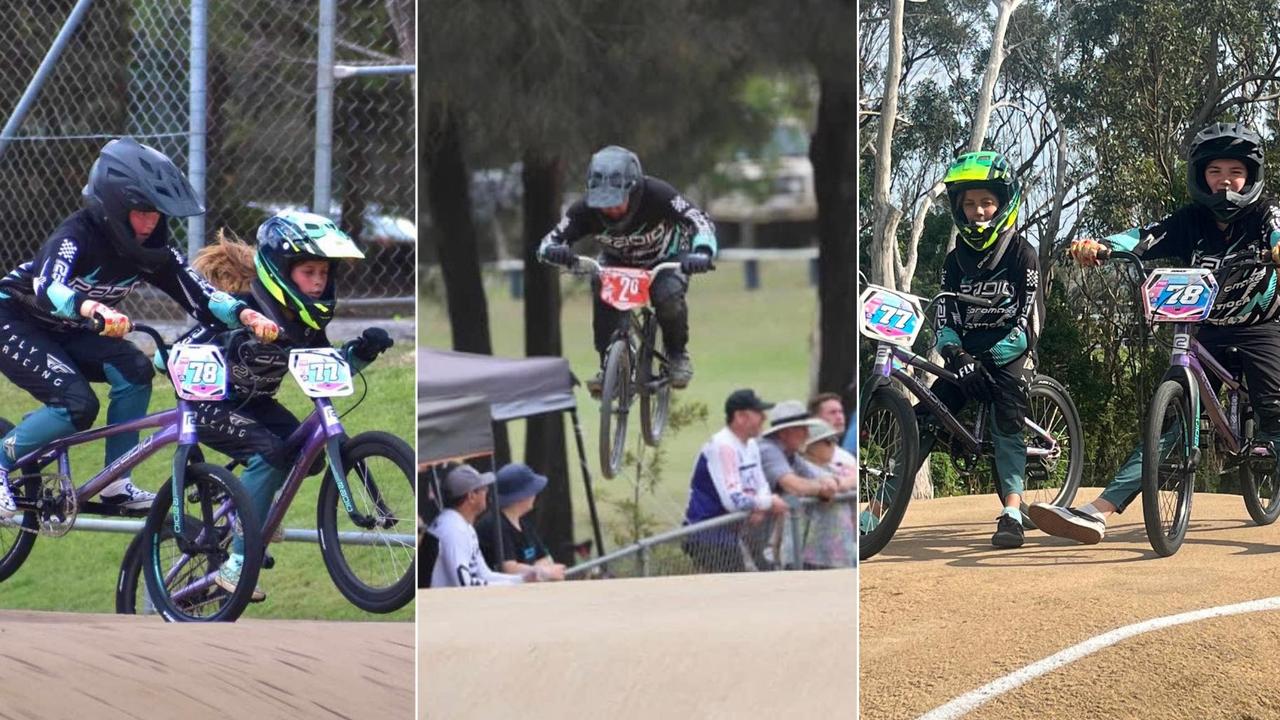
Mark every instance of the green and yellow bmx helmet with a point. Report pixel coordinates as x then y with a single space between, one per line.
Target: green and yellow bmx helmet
288 238
985 170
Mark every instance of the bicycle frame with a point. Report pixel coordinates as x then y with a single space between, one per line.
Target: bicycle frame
883 370
1188 365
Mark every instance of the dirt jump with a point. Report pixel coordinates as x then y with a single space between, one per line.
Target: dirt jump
953 627
760 645
103 667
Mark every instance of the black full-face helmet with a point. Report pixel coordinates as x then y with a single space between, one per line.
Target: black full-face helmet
131 176
613 177
1225 140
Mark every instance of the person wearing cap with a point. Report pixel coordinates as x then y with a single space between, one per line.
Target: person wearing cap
639 222
828 535
459 562
523 552
728 477
784 467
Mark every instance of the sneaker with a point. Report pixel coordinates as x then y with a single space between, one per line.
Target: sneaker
680 368
595 384
8 508
1009 532
128 497
1068 523
228 577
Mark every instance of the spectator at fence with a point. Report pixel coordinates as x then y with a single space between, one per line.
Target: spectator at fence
827 534
784 467
829 408
459 562
523 552
728 477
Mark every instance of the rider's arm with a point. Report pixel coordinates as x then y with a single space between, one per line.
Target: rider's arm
189 289
685 214
724 466
1026 288
949 322
574 225
1173 237
53 268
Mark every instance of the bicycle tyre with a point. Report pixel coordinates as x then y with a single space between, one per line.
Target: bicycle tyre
208 487
1167 493
880 454
366 493
655 405
130 580
1261 491
16 542
1069 432
615 397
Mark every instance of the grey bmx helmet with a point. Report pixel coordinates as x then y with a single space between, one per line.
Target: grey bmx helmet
613 175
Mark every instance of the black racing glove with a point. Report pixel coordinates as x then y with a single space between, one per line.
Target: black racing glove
698 261
372 342
558 254
974 379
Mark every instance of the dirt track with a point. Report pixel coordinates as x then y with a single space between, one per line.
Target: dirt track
768 645
944 613
103 667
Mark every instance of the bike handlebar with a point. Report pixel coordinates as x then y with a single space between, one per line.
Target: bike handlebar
593 267
1261 259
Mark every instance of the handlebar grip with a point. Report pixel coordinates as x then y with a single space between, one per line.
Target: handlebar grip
96 324
1104 253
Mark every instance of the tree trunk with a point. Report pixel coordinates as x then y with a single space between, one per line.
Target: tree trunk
544 449
982 113
833 152
884 230
449 197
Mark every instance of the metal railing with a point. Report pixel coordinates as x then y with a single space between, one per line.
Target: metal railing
813 534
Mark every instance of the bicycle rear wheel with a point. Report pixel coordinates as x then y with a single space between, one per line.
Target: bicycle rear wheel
179 569
1168 471
654 387
615 404
888 449
1259 484
18 534
370 554
1053 479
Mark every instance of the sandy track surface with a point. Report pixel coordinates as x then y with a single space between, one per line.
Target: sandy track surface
103 667
944 613
766 645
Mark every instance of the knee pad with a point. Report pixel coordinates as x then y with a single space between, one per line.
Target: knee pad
133 368
668 287
671 309
81 404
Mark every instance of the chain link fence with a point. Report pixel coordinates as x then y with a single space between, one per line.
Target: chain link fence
811 535
125 71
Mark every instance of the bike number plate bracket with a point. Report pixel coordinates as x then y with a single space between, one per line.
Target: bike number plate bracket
889 316
321 372
624 288
1176 296
198 372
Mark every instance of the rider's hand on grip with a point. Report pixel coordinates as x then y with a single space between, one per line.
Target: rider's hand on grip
1088 252
372 342
972 376
262 326
695 262
1274 254
114 323
559 255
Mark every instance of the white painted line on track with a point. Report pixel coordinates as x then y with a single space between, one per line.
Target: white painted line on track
971 700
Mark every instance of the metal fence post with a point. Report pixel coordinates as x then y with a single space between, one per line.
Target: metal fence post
793 514
199 106
42 74
324 107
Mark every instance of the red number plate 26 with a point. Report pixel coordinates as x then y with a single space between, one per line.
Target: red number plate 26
624 288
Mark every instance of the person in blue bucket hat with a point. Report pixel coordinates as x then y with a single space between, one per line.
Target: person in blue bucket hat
523 552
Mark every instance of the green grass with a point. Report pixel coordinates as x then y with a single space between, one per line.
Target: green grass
78 572
757 339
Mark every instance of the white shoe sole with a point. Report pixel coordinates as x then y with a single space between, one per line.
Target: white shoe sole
1060 523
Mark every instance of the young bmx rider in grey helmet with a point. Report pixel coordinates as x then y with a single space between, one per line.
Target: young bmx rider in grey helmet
640 221
87 267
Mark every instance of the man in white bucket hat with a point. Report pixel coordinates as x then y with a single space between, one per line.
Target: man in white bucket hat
784 468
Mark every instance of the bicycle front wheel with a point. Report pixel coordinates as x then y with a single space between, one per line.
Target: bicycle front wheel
888 449
615 403
1168 471
370 553
180 567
